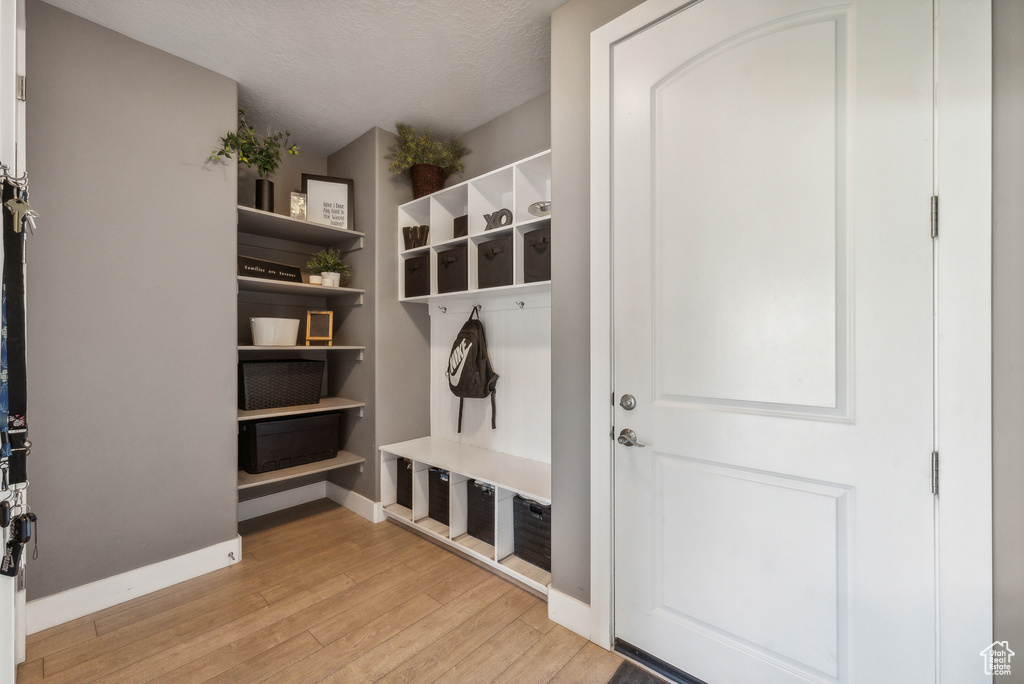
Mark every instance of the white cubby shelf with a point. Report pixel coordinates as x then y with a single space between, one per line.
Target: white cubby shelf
510 475
514 187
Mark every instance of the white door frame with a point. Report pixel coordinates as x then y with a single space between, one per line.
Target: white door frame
963 55
12 153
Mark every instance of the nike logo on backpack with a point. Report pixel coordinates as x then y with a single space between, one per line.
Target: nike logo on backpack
457 365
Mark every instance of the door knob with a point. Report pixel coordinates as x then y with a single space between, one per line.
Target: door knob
628 402
628 438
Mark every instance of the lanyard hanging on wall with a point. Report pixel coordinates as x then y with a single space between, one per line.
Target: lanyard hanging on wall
17 214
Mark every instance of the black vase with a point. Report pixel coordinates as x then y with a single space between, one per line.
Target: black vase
264 194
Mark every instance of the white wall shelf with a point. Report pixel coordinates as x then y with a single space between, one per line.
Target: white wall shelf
255 222
344 459
326 404
487 294
514 187
509 474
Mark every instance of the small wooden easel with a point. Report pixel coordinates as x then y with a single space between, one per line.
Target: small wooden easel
319 327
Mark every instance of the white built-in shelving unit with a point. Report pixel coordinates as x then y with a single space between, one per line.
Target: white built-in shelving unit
509 474
514 187
282 239
516 456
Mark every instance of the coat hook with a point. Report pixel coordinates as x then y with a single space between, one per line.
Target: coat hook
520 304
444 309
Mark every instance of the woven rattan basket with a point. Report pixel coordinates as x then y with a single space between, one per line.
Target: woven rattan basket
272 384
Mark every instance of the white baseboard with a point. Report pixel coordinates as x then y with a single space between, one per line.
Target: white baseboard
56 609
569 612
357 503
254 508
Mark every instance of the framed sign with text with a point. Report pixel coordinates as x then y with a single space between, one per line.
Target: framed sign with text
329 200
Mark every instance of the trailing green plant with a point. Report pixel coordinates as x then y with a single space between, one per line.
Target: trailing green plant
260 151
328 260
425 148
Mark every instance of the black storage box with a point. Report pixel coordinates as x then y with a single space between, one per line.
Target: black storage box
480 513
460 226
537 255
276 444
404 483
417 276
437 506
452 270
531 524
271 384
494 262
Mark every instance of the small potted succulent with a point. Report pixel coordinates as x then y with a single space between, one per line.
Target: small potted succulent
260 151
428 159
328 263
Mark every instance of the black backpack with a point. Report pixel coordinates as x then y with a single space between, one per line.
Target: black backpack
470 375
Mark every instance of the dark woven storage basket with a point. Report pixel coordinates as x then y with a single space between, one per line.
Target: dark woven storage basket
531 523
437 504
404 494
480 511
272 384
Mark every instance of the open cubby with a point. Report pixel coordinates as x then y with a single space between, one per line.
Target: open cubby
509 475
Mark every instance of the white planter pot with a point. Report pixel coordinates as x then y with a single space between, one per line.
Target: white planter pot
331 279
274 332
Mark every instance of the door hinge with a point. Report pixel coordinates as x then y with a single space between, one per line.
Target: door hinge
935 472
22 93
935 216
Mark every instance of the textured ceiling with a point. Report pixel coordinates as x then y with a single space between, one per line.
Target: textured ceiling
329 70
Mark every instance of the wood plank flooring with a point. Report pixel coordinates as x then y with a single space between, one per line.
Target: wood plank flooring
322 595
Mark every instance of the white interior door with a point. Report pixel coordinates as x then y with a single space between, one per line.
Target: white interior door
772 301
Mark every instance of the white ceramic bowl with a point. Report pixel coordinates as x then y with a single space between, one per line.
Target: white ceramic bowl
274 332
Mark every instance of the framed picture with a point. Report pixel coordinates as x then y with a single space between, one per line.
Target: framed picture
329 200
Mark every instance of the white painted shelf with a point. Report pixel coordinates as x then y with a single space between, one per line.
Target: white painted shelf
255 222
326 404
509 474
485 294
523 476
250 284
342 460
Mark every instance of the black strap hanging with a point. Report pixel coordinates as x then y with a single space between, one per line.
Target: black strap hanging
13 294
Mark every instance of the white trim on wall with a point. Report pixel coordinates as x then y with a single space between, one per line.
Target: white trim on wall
963 41
963 180
74 603
357 503
254 508
569 612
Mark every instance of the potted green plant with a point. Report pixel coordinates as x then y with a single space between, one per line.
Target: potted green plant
428 159
260 151
328 263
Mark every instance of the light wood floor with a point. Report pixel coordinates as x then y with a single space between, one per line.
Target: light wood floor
321 595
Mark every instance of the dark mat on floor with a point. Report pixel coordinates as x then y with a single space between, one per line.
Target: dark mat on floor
628 673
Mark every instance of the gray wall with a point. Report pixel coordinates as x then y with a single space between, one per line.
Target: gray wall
131 300
571 25
394 374
355 325
1008 318
515 135
403 330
